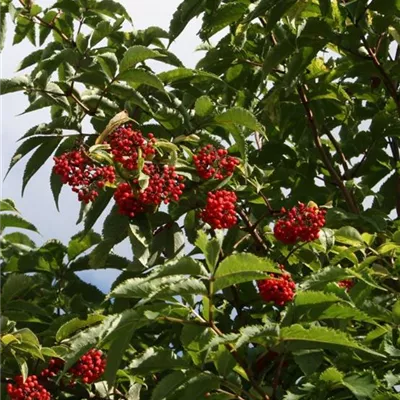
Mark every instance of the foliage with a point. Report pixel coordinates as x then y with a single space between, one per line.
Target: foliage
304 97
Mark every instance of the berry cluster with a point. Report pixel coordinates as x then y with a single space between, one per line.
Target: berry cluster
220 211
164 186
214 163
127 146
89 367
278 289
301 223
347 284
80 172
30 389
54 367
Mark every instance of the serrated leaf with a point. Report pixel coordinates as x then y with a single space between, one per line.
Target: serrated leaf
15 221
14 84
203 106
298 337
97 208
137 77
135 55
182 266
80 243
240 268
14 285
39 157
168 385
163 287
154 360
185 12
74 325
210 248
8 205
239 116
108 63
349 235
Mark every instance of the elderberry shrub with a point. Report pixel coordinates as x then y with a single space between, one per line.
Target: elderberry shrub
214 163
220 210
30 389
301 223
77 170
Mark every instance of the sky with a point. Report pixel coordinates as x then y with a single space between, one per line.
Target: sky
37 204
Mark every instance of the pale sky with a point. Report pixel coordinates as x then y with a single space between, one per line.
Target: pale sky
37 205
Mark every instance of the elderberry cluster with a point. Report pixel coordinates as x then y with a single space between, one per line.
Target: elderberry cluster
214 163
80 172
54 367
30 389
301 223
346 284
277 289
164 186
220 211
89 367
128 145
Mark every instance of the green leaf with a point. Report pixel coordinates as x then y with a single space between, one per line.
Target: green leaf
168 385
111 8
14 84
155 360
224 361
112 261
74 325
316 337
309 298
163 287
277 54
102 30
135 55
137 77
203 106
239 116
97 208
27 146
108 63
29 60
15 221
210 248
185 12
222 17
349 235
39 157
244 267
362 386
182 266
325 276
3 29
15 285
8 205
80 243
396 312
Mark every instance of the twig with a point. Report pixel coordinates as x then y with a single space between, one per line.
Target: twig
253 232
86 109
318 144
338 149
277 377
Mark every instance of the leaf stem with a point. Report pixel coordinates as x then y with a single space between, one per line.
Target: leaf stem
252 230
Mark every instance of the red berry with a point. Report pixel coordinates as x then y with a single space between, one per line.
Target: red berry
347 284
89 367
301 223
30 389
214 163
164 185
55 366
277 289
127 145
79 171
220 212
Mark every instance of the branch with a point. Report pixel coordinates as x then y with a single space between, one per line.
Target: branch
252 230
325 159
391 88
338 149
277 377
